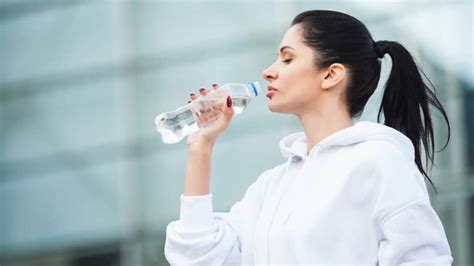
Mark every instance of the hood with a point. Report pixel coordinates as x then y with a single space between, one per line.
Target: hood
294 145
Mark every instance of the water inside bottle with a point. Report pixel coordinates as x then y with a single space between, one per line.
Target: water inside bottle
239 103
177 124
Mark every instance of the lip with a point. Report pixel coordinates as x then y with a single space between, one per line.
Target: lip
270 88
270 94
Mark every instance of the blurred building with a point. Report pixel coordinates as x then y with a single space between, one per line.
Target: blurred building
84 176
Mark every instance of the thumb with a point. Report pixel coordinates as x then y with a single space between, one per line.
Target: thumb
229 109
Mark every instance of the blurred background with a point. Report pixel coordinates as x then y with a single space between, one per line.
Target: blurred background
84 177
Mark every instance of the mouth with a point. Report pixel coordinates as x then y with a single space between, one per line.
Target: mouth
270 94
271 91
270 88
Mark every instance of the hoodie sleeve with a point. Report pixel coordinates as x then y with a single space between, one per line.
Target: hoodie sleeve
414 235
204 237
410 232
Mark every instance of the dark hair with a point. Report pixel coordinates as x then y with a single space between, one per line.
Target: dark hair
340 38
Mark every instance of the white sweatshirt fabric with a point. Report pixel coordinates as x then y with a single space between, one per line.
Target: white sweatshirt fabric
357 198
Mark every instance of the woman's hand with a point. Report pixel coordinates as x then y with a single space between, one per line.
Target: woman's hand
212 116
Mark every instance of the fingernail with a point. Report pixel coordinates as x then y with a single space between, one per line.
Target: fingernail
229 101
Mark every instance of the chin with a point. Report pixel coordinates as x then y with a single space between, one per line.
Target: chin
274 109
271 107
281 108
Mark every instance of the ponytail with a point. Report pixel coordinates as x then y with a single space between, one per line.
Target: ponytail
405 102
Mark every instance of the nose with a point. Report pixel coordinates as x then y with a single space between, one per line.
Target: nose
269 74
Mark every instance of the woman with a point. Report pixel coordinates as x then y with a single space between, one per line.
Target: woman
349 193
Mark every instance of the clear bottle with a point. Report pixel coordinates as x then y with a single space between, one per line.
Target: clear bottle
177 124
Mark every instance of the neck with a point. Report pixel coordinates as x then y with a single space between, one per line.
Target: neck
319 125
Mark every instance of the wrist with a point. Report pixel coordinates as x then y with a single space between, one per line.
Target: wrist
201 146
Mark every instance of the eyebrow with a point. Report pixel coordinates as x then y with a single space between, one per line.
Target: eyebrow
285 47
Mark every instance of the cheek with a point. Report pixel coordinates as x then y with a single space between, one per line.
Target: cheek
300 87
301 72
294 99
304 83
310 90
302 96
306 92
311 82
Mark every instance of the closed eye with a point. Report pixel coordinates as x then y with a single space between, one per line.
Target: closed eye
287 61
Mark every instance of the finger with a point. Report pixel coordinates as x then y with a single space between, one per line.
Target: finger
206 117
203 91
214 115
199 119
196 108
229 102
215 111
229 108
220 106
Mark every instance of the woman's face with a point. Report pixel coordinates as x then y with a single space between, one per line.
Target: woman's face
294 76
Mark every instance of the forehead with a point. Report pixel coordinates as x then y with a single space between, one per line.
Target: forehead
292 37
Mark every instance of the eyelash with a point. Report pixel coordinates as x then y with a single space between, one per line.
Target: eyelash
287 61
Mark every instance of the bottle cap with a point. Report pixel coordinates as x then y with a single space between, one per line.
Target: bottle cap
255 88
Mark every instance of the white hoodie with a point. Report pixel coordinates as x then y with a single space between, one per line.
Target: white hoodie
357 198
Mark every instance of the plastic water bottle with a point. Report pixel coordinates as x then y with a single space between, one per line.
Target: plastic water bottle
177 124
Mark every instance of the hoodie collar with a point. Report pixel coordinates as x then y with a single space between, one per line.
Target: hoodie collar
294 146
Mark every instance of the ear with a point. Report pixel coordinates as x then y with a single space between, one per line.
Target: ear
334 74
